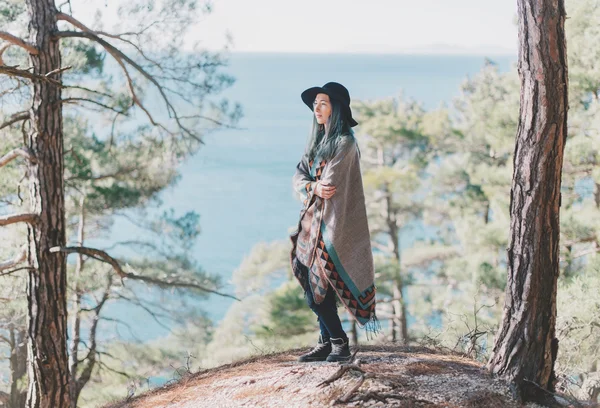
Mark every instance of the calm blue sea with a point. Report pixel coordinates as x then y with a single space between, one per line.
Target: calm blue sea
240 181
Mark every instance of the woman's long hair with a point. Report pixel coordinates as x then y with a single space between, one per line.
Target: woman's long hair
325 139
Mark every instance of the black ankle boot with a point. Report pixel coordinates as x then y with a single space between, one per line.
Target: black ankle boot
319 353
340 350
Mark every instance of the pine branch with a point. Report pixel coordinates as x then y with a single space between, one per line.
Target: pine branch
15 218
19 42
93 253
17 117
104 257
121 57
82 27
116 174
13 154
173 283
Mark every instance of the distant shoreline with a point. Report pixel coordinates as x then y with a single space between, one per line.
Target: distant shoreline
420 53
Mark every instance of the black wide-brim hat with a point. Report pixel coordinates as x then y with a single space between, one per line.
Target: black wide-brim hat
335 91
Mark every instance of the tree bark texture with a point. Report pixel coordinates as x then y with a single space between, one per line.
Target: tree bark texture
48 369
525 347
399 323
74 390
18 366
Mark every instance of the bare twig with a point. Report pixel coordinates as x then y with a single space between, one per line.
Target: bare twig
76 100
355 365
154 314
346 397
23 268
119 321
24 73
58 70
83 88
342 370
100 363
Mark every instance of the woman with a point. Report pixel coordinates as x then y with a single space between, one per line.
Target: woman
331 249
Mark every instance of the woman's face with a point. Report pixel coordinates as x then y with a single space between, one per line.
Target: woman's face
322 108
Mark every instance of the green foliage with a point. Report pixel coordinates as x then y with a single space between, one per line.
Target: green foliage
84 57
578 321
289 314
470 191
116 174
398 141
11 10
118 158
582 33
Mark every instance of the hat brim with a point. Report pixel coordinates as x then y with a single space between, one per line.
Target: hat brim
309 95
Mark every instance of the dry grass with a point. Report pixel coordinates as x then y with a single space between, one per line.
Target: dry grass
427 368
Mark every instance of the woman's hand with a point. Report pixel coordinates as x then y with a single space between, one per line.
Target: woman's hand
324 190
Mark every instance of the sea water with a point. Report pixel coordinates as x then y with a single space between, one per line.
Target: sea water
240 181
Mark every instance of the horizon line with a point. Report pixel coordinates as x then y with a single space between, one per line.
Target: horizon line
391 53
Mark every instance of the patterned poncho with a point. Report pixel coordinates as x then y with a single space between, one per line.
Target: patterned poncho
333 238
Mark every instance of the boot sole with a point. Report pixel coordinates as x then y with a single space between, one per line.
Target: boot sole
310 360
339 359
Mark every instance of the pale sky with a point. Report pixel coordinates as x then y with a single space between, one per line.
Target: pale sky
354 25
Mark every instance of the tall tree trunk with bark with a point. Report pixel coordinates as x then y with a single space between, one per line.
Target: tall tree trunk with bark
399 324
525 348
48 369
76 311
18 366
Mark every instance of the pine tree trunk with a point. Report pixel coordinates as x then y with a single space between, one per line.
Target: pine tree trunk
525 348
354 333
74 389
48 369
400 327
18 366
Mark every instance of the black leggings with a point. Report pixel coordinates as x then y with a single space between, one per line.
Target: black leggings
326 311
